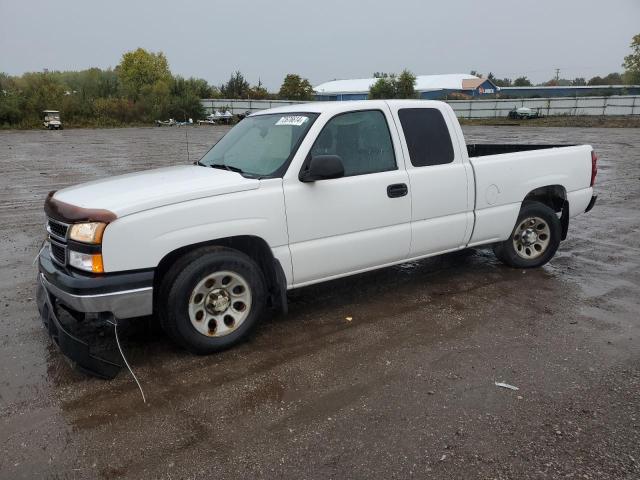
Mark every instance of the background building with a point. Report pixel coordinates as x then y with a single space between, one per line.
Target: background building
427 87
440 87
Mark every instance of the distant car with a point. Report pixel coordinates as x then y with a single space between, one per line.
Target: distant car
524 113
222 117
207 121
165 123
52 120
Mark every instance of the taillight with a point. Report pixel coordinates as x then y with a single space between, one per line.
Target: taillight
594 167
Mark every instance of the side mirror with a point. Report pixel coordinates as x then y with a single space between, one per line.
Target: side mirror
323 167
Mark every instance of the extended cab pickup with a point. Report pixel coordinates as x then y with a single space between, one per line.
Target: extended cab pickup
294 196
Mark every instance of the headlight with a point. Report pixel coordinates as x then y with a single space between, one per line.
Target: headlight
89 262
87 232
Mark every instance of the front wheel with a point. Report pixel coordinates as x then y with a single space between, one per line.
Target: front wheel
213 299
534 240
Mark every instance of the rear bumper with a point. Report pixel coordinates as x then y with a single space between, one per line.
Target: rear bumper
579 201
125 295
592 202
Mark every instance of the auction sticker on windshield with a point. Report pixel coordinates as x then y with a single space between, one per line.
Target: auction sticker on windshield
293 120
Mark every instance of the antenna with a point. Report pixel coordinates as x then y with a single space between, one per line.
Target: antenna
186 134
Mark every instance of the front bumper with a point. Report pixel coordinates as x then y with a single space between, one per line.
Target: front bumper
74 348
125 295
94 303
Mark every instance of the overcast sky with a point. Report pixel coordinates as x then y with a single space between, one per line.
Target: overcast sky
323 40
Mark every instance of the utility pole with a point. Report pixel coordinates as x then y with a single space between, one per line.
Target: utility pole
557 74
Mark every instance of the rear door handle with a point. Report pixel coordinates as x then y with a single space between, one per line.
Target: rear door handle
397 190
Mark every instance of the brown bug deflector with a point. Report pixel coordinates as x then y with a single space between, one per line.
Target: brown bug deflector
68 213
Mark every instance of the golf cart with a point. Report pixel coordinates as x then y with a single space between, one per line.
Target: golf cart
52 120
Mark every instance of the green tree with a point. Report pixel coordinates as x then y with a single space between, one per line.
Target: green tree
41 91
522 82
11 102
632 63
384 88
610 79
236 87
156 99
406 85
294 87
390 86
499 82
258 92
140 69
201 88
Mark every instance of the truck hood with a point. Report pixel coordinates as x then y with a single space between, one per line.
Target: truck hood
135 192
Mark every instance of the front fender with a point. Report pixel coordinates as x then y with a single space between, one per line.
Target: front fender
141 240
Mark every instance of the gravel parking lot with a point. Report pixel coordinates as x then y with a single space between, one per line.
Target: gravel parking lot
404 389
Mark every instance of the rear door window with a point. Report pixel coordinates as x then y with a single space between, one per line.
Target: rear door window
428 138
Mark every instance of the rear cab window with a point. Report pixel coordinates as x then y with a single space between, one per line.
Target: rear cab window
427 136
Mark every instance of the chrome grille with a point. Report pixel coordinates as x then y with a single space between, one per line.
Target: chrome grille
58 252
57 229
58 241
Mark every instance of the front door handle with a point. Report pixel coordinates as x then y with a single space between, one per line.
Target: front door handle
397 190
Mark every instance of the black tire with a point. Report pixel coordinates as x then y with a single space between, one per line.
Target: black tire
507 251
178 284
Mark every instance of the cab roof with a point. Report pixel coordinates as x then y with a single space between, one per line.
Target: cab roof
344 106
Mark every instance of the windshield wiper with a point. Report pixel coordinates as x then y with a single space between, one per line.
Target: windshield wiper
224 166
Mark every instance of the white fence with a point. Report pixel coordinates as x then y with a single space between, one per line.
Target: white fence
613 105
241 106
627 105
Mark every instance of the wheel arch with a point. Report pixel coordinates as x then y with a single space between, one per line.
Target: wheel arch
555 197
255 248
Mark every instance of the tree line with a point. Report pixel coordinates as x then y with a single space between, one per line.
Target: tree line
388 86
614 78
630 76
140 89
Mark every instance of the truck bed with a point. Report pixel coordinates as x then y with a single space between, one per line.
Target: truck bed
484 149
506 174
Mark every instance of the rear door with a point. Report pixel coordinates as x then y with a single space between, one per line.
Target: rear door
440 178
356 222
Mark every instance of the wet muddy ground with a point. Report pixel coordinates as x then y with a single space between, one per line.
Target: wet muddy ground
405 389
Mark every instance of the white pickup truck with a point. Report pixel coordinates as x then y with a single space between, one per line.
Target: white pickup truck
294 196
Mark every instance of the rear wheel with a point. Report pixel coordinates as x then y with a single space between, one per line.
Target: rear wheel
213 299
534 239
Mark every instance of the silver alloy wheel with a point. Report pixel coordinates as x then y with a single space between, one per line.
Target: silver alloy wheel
219 304
531 238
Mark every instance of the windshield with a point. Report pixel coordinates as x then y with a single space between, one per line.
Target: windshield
52 116
260 145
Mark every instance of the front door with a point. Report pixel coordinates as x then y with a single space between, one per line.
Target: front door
356 222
